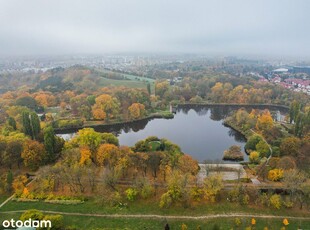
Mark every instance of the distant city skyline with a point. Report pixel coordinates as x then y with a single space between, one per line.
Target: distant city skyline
262 28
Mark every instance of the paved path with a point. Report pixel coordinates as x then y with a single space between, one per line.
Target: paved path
145 216
7 200
11 197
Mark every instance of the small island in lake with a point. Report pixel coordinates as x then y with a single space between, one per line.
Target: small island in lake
233 154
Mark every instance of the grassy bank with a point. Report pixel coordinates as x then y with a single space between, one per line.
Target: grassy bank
152 207
85 222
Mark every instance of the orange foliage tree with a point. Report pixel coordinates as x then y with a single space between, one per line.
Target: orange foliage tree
107 154
85 155
34 154
107 104
136 110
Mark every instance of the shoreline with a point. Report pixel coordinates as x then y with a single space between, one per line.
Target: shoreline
149 117
161 115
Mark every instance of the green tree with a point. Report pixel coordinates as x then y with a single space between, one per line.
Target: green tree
109 138
148 86
26 124
252 142
31 124
12 122
27 101
263 148
294 111
49 142
9 181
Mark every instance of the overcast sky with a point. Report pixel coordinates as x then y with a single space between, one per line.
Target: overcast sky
214 27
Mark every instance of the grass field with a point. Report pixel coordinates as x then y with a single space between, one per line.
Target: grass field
134 82
82 222
151 207
3 198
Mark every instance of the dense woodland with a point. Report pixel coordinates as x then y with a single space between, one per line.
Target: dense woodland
93 164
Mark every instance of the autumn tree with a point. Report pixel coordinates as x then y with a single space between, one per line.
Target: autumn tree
161 88
294 181
108 104
290 146
85 153
88 137
107 155
264 121
34 154
98 113
213 184
186 164
136 110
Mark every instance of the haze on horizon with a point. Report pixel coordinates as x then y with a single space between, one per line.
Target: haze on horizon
212 27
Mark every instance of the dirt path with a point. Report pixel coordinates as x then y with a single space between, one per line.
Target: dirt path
144 216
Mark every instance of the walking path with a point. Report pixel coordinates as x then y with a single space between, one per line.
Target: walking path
144 216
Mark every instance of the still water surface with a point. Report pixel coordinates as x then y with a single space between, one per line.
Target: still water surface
198 130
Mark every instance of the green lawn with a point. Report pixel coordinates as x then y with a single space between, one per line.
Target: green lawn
132 82
89 223
3 198
128 83
150 207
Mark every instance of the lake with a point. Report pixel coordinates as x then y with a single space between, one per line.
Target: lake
198 130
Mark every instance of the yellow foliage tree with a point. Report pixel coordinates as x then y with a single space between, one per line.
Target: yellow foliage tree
107 154
264 121
108 104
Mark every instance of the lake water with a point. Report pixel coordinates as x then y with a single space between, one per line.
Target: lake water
198 130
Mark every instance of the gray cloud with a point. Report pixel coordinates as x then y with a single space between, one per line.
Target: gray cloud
265 27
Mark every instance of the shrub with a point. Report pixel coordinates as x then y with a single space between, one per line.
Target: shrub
238 222
32 214
72 202
131 194
275 174
275 201
57 221
147 191
254 157
165 200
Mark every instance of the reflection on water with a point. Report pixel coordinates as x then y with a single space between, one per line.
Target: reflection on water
198 130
